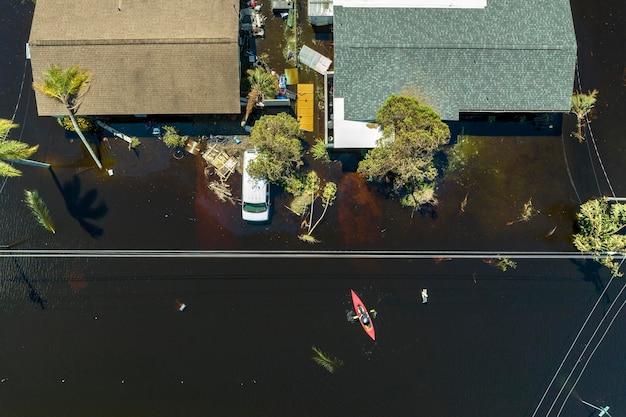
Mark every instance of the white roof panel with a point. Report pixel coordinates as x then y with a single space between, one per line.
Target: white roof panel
314 59
414 4
350 133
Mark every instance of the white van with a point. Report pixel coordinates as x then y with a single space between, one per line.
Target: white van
255 193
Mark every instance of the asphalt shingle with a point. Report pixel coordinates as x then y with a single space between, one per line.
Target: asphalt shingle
511 56
152 57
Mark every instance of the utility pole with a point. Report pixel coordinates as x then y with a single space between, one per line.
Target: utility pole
30 162
295 29
603 410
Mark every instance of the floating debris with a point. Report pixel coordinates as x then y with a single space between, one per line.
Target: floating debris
528 211
180 306
223 163
501 263
464 203
326 361
440 260
221 190
39 209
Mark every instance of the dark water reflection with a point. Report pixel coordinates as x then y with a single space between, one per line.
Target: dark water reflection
110 340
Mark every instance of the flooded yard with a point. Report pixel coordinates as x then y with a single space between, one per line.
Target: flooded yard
104 336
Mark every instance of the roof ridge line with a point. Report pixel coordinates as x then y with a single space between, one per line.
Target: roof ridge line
74 42
552 47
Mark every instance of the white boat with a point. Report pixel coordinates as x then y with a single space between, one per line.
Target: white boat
424 296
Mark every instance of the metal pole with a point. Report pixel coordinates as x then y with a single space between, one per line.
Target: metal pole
295 29
30 162
602 411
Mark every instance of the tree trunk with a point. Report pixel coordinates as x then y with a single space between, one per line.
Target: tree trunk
30 162
311 213
318 220
253 99
82 137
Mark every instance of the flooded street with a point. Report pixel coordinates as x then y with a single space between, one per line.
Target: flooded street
104 336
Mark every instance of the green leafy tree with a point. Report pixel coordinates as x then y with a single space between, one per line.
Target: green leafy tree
262 85
276 138
68 87
12 150
599 226
422 194
172 137
412 133
582 104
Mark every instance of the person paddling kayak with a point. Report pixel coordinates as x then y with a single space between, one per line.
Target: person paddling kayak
363 315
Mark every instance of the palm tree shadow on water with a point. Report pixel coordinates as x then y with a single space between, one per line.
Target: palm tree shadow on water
82 208
33 293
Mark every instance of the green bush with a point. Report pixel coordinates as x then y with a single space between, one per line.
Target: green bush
319 151
85 124
172 137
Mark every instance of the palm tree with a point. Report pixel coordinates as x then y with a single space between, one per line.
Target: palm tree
581 107
262 84
12 150
329 193
68 87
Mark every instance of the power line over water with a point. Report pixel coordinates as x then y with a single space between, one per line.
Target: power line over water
81 253
374 254
595 327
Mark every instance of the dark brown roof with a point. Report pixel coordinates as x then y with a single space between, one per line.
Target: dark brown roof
152 57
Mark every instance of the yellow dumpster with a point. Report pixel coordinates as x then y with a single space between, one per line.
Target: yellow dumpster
305 103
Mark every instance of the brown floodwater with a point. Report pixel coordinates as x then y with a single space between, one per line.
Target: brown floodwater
104 336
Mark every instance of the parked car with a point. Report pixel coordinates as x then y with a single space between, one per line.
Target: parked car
255 193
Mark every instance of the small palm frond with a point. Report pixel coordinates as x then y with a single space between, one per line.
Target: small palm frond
305 237
319 151
265 82
5 127
39 209
326 361
66 86
583 103
12 149
52 83
7 170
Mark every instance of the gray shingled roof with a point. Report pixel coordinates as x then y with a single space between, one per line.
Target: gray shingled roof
512 56
152 57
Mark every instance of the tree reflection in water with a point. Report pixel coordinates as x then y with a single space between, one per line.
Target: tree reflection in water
359 213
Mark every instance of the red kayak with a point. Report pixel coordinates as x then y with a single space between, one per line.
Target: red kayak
363 315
